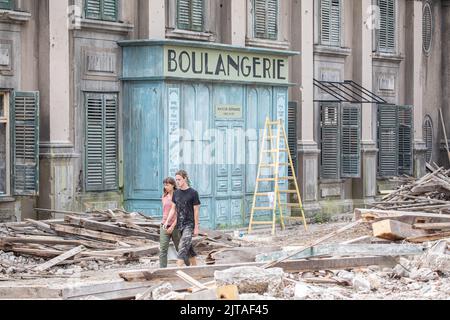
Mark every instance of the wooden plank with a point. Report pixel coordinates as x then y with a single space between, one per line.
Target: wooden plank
63 229
55 241
373 215
41 226
395 230
432 226
104 227
191 280
127 252
48 253
58 259
430 237
292 266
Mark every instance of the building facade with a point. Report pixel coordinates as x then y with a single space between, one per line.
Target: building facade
94 95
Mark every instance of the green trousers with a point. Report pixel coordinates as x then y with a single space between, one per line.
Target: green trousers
164 243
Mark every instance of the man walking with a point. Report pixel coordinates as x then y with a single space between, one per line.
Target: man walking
186 204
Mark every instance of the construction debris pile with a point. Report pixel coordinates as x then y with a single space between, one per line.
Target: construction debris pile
85 241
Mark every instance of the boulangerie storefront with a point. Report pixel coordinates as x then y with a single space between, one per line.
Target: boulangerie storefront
199 107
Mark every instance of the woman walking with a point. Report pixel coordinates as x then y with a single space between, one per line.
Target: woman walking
168 228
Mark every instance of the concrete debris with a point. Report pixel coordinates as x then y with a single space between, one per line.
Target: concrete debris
360 283
162 291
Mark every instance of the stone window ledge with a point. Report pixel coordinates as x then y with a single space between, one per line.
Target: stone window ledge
106 26
332 51
388 57
190 35
10 16
7 199
264 43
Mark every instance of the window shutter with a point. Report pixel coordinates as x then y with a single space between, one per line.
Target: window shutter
330 22
386 38
428 137
427 27
109 10
405 134
6 4
111 142
25 119
93 9
329 141
350 141
190 14
292 133
387 141
266 19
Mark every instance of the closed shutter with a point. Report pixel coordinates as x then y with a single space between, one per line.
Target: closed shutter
101 9
405 143
101 142
266 19
350 141
427 27
330 22
25 119
386 34
292 133
428 137
329 141
190 14
387 141
6 4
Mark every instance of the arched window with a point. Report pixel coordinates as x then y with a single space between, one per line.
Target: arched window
427 27
428 136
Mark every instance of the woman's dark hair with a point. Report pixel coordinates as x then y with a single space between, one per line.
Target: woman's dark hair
171 181
185 176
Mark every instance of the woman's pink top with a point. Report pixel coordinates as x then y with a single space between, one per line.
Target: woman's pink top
167 205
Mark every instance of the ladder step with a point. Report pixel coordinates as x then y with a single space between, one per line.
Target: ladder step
274 123
286 178
288 191
265 179
263 208
267 165
275 150
291 205
262 222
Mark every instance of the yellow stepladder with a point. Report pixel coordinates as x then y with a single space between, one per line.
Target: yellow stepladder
275 164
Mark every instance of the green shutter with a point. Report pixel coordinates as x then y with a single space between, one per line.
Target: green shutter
387 141
350 141
428 137
330 22
330 141
266 19
386 34
6 4
190 15
25 119
101 9
405 141
292 133
101 149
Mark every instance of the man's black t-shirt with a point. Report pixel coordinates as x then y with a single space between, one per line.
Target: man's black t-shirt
185 200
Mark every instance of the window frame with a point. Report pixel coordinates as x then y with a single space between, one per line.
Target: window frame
427 7
118 10
395 35
6 120
11 6
428 128
191 29
330 43
266 37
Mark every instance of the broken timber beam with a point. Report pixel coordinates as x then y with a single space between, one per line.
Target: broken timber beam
395 230
432 226
373 215
59 259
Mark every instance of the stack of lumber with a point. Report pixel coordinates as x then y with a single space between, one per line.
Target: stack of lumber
430 193
110 236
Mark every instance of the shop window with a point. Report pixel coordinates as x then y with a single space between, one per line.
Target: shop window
330 22
340 140
101 9
427 28
190 15
428 137
7 4
101 142
395 135
265 14
386 34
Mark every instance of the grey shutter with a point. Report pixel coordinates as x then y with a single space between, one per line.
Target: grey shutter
428 137
93 9
111 142
329 141
25 119
405 141
6 4
386 34
427 27
292 133
350 141
266 19
387 141
330 22
94 142
190 14
109 10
